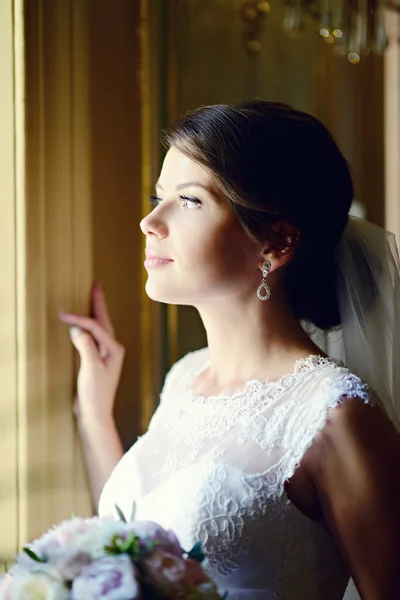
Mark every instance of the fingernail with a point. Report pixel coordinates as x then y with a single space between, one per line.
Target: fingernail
62 313
74 331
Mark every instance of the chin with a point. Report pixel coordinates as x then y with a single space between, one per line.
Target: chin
167 295
160 293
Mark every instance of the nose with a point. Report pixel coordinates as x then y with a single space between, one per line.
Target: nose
154 225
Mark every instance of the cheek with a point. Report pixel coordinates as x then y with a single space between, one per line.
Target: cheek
212 259
228 253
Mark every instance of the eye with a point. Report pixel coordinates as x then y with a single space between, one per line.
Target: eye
190 202
155 200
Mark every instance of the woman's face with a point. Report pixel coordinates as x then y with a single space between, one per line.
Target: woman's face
196 249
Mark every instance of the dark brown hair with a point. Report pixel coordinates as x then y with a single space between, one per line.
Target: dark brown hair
275 163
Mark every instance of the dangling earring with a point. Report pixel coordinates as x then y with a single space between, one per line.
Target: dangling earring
264 291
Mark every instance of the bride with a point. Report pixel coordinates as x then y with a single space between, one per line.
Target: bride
280 458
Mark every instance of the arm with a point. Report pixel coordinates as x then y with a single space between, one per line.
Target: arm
101 360
102 450
355 467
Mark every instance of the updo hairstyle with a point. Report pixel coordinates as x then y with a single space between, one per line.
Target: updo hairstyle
274 163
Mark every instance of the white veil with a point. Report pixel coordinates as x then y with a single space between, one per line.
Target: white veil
368 341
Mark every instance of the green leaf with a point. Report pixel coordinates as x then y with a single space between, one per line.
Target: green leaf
111 550
196 553
33 556
120 513
123 545
131 546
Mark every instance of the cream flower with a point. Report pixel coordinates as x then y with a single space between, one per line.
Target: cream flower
6 583
37 586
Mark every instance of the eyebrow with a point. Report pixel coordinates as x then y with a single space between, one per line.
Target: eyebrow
180 186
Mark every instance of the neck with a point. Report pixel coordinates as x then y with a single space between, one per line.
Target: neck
260 340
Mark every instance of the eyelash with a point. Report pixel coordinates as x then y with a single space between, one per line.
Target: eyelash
155 200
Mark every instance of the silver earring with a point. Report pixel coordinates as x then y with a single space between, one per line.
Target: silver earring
264 291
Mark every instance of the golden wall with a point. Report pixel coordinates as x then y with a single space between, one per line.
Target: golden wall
87 87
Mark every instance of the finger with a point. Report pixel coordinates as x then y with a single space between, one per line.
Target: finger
100 309
99 312
100 335
84 343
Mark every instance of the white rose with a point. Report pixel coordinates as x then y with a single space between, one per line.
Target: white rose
93 540
37 586
91 543
109 529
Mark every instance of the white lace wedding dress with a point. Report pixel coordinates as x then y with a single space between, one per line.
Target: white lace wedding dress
213 469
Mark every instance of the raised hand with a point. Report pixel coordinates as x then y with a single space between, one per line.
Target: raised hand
101 360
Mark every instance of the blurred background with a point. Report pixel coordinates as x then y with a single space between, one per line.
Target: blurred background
87 86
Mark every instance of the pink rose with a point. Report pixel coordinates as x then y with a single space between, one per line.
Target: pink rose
70 563
195 573
172 575
110 578
151 533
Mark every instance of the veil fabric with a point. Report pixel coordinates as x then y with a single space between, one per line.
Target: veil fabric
368 289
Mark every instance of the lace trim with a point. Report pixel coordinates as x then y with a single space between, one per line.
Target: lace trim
227 519
348 386
222 527
225 490
211 421
303 365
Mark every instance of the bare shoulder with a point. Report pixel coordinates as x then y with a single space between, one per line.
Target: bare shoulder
354 466
355 427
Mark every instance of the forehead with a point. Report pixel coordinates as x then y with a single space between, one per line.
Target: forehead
178 168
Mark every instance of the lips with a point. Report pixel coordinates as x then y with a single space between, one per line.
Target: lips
154 260
153 254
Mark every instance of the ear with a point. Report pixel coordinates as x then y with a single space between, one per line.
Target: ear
278 253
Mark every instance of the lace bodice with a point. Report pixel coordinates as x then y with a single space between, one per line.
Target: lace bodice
213 469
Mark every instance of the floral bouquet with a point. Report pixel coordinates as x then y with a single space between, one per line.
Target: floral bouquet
105 559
